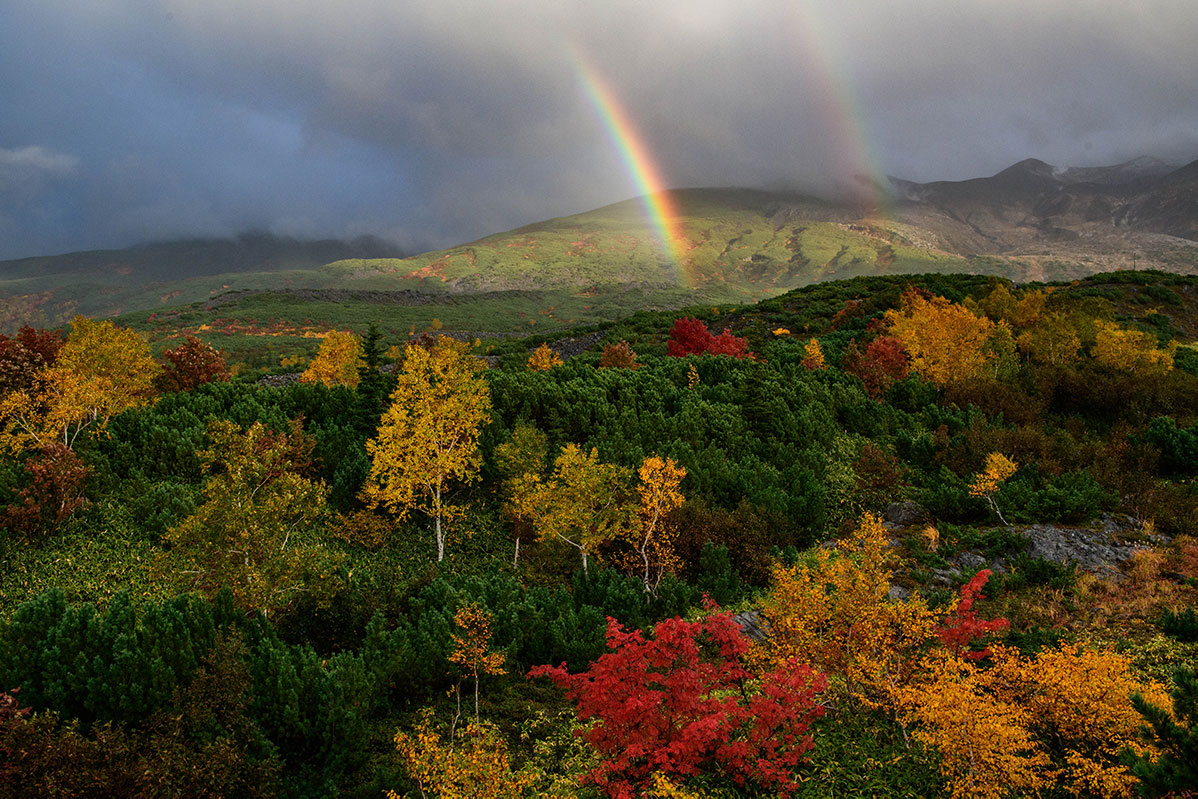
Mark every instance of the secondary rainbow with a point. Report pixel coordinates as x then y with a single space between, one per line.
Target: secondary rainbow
645 174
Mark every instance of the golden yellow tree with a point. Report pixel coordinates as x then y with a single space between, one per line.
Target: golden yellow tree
1131 350
659 492
543 359
475 767
1026 725
1053 340
945 341
813 356
832 611
472 645
584 503
985 744
428 438
338 361
100 371
986 483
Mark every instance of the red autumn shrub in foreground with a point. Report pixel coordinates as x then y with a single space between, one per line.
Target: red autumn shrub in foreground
683 701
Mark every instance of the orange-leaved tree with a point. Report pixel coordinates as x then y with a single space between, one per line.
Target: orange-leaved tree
832 610
472 645
1057 720
618 356
100 371
585 502
543 359
946 341
660 494
428 438
338 362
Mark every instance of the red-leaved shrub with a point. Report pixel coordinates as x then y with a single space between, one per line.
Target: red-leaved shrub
683 701
689 336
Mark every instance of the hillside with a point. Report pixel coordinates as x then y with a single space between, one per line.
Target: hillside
100 283
198 600
1030 222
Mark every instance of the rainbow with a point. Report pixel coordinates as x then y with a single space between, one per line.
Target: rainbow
659 204
839 105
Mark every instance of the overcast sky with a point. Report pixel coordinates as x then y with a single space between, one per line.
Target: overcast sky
433 122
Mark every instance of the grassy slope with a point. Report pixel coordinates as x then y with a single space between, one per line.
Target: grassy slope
747 244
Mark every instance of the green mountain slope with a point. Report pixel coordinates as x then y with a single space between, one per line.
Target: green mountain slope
739 243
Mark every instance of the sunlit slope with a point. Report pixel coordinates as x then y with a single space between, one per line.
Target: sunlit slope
746 243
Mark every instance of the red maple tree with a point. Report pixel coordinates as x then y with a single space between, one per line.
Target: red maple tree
962 626
689 336
683 701
190 365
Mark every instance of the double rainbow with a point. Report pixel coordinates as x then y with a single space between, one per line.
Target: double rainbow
838 104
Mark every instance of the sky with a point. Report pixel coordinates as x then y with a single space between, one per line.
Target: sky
435 122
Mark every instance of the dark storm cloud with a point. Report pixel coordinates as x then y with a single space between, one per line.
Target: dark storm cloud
441 121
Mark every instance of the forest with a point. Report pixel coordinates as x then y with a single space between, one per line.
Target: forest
928 535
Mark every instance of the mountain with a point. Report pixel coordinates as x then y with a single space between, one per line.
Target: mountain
1031 221
1074 220
50 289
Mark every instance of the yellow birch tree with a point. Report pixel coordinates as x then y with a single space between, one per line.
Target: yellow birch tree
946 341
337 362
100 371
428 438
660 479
585 502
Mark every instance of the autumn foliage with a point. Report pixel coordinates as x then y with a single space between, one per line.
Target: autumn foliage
471 646
543 359
986 483
338 362
962 626
98 372
683 701
660 494
190 365
54 492
689 336
813 356
879 365
945 341
1029 725
24 355
832 611
249 532
1131 350
474 765
618 356
584 503
428 437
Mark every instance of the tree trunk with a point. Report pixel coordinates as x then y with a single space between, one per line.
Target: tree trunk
584 562
437 523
